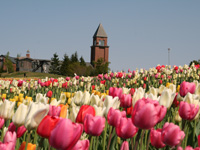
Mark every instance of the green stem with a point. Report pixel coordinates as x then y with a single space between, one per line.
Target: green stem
35 138
110 137
27 140
137 139
91 142
195 122
17 144
141 139
97 142
2 132
104 136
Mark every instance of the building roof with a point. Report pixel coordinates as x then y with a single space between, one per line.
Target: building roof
100 32
12 59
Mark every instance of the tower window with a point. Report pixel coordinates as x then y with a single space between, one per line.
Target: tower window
101 42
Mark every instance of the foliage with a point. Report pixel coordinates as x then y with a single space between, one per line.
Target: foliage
82 61
55 65
195 62
101 66
74 58
8 64
64 69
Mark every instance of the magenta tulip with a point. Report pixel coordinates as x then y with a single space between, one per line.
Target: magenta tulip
114 116
11 127
126 100
171 134
54 110
147 113
94 125
126 129
188 111
20 131
81 145
186 87
124 146
155 137
1 122
65 134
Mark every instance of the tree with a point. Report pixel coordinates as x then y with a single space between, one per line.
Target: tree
55 65
74 57
101 66
64 69
8 63
82 61
195 62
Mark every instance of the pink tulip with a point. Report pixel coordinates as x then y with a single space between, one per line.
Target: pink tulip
147 113
126 100
106 76
54 110
155 136
81 145
1 122
6 146
125 129
124 146
188 148
94 125
10 140
67 78
171 134
20 131
115 92
187 111
65 134
186 87
77 77
114 116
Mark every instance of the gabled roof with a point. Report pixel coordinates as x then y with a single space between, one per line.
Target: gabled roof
100 32
12 59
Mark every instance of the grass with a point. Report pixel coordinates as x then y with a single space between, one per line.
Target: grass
28 75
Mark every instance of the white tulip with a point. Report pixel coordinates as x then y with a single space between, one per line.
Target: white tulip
55 102
63 98
110 102
94 100
77 97
167 98
125 90
73 113
99 111
139 94
85 100
7 109
19 117
36 112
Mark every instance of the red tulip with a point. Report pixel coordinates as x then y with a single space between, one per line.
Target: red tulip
199 140
49 94
129 110
126 129
20 131
85 109
94 125
155 136
65 134
171 134
47 124
126 100
187 111
125 146
81 145
114 116
186 87
132 91
54 110
147 113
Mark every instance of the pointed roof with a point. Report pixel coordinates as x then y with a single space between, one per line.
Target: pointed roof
100 32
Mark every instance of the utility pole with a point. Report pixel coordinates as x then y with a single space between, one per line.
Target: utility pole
168 56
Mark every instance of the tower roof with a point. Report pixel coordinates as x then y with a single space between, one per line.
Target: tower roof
100 32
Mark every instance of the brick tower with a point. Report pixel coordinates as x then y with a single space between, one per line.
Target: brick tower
99 49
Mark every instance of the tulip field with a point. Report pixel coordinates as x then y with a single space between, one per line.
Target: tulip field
135 110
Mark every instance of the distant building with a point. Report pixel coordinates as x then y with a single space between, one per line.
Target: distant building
99 49
27 63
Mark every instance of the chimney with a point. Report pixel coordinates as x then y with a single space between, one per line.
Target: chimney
28 54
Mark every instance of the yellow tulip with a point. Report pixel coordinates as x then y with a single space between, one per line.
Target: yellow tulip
107 92
93 91
63 112
19 104
97 93
12 99
3 96
21 95
68 94
29 99
167 84
69 101
103 94
21 99
16 98
178 88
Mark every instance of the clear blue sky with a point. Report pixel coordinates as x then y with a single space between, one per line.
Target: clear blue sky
139 32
